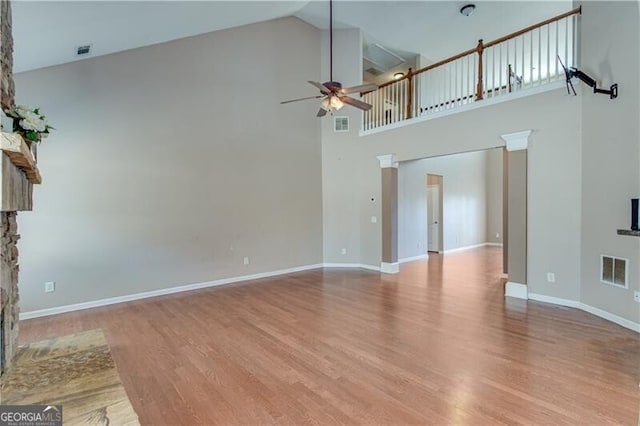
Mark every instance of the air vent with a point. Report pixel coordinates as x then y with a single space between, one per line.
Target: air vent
374 71
83 50
614 271
382 57
341 124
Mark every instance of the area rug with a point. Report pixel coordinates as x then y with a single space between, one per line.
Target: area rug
75 371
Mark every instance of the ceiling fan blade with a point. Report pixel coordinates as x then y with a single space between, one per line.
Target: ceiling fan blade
321 112
321 87
302 99
355 103
359 89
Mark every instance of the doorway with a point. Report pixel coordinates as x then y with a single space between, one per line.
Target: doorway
434 213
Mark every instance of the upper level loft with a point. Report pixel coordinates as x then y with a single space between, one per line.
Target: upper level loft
515 65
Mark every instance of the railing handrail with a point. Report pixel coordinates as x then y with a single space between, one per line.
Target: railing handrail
576 11
411 74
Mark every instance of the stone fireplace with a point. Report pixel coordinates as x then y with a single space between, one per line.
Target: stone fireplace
9 308
18 173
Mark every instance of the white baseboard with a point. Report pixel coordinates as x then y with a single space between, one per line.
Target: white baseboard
351 265
517 290
411 259
189 287
472 247
554 300
611 317
389 268
587 308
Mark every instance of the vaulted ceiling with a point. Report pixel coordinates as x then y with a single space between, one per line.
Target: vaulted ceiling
49 32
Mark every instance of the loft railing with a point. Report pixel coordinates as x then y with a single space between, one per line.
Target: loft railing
524 59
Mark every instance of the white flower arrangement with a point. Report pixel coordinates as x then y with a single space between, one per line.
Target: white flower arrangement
29 123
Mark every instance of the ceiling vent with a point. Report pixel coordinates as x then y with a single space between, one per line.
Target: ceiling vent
83 50
382 57
374 71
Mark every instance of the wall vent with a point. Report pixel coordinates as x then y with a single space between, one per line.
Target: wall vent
341 124
614 271
374 71
83 50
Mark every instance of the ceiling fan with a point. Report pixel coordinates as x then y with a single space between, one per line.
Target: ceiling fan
333 94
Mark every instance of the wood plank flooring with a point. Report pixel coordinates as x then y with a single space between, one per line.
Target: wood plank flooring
436 344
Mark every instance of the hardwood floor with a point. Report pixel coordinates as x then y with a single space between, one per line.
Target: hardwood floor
435 344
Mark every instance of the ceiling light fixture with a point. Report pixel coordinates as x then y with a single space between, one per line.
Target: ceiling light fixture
398 75
468 9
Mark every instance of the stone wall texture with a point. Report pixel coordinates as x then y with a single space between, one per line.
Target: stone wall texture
7 88
9 306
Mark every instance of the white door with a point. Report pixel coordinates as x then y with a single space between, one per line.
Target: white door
433 218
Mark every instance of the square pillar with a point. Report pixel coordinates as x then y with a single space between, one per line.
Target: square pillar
389 200
516 213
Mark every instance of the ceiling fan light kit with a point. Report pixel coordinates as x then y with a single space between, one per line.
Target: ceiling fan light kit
333 94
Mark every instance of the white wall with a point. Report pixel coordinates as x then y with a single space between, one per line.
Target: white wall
610 151
173 162
465 201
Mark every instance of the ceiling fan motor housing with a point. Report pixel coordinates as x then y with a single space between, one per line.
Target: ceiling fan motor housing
334 86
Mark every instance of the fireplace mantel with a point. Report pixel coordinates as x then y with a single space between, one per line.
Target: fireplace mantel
19 173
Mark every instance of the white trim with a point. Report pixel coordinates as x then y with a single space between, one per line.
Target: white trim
351 265
389 268
469 107
494 244
517 141
189 287
388 160
516 290
465 248
611 317
554 300
634 326
412 258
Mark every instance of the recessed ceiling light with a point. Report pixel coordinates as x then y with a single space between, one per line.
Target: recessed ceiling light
398 75
468 9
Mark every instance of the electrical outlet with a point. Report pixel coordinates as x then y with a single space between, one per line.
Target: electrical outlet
419 245
497 235
343 251
636 296
374 219
246 261
551 277
49 287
